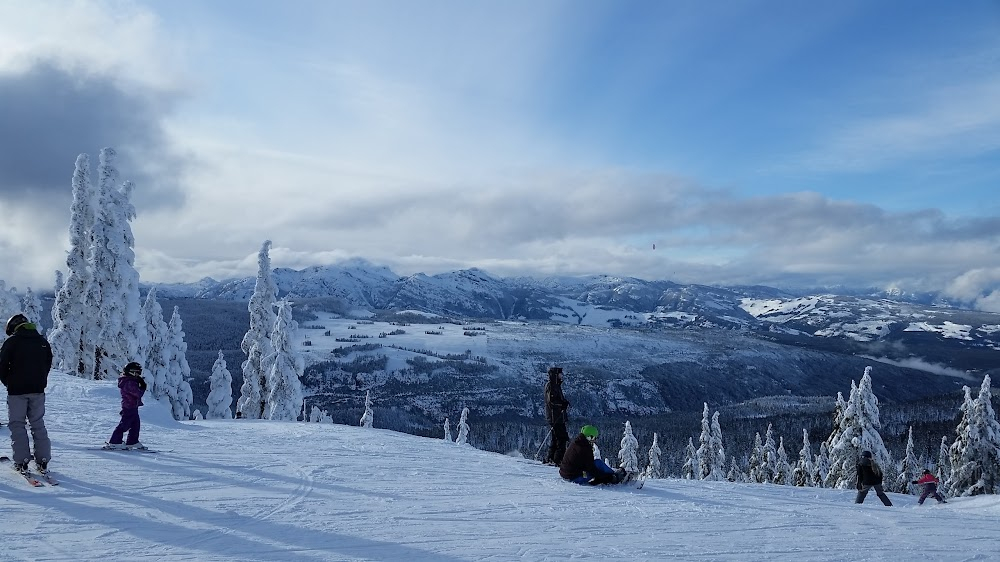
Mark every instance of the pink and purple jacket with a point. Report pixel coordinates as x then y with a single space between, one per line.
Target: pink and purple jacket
927 479
131 392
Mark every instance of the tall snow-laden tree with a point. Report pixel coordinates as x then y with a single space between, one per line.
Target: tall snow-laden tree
178 371
718 450
782 468
71 342
706 455
315 414
756 470
113 266
368 417
627 454
944 464
256 343
157 358
770 464
822 466
220 397
805 468
32 309
284 399
56 288
463 428
909 470
447 430
975 455
689 470
859 432
653 468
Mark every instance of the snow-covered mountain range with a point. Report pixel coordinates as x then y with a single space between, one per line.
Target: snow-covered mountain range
428 345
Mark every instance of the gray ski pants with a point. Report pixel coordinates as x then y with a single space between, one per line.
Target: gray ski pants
28 408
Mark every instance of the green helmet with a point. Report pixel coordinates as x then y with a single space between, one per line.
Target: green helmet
589 431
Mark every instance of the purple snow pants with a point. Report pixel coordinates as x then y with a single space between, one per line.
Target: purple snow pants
930 490
130 423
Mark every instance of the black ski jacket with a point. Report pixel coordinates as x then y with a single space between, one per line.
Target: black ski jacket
25 360
555 403
579 458
868 473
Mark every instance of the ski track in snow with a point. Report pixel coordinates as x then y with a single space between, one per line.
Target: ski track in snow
253 490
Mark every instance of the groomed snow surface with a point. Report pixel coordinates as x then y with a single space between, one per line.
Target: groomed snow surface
260 490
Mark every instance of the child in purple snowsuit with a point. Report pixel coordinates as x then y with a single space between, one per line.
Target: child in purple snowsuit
132 386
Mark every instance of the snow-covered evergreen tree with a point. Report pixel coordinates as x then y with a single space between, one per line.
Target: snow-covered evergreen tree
284 380
822 466
113 266
975 455
315 415
706 455
32 309
9 305
782 468
653 468
627 455
859 432
718 450
805 469
157 359
196 415
220 397
256 343
769 466
52 312
909 470
756 472
447 430
368 416
735 474
944 464
73 336
178 371
689 470
463 428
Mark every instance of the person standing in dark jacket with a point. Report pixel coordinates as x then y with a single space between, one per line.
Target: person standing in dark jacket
870 476
556 406
580 466
25 360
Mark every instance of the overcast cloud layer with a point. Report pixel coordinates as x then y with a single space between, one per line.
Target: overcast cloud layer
798 149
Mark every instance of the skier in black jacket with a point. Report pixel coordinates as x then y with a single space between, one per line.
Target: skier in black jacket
870 476
555 413
25 360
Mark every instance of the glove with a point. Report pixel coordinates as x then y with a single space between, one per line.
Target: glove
142 384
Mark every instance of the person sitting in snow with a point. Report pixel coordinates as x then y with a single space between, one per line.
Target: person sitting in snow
930 484
132 386
579 465
870 476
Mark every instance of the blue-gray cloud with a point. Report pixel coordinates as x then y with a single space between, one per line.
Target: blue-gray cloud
49 115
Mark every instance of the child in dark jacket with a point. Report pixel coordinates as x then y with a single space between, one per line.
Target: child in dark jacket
132 386
929 482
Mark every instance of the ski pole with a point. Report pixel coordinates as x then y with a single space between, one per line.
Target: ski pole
544 441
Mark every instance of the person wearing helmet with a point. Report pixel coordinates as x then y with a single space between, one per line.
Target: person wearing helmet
132 387
25 360
555 413
929 484
580 466
870 476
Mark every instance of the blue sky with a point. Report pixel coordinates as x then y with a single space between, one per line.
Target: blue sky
783 143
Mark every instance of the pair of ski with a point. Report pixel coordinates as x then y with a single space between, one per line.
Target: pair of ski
42 479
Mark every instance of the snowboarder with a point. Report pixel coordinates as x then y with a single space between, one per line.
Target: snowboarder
25 360
930 484
555 413
132 387
580 466
870 476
